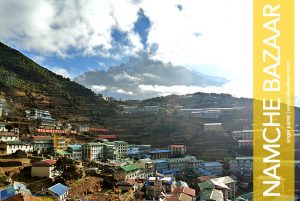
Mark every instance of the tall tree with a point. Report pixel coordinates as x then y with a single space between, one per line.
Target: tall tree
67 169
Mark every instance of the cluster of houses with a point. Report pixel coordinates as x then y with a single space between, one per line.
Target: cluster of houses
135 167
155 178
149 172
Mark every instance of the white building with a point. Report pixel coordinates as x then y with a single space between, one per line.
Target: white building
183 163
241 165
10 147
122 148
216 127
92 151
230 183
43 168
42 118
38 114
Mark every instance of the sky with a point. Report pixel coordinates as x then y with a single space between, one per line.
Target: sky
213 37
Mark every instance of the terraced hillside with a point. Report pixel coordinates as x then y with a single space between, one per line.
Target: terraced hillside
25 84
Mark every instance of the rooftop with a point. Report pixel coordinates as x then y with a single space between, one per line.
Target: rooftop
95 144
245 141
206 185
120 142
182 184
213 124
189 191
211 164
225 180
128 168
244 158
159 151
59 189
177 146
212 194
160 161
44 163
8 134
74 146
62 152
107 136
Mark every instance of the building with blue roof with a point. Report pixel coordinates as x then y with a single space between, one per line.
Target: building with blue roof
59 189
159 153
58 192
204 172
14 189
7 192
170 172
213 167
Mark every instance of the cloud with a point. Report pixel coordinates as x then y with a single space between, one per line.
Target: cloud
160 90
168 90
98 88
38 59
124 76
56 27
142 77
213 36
61 71
203 34
122 91
150 75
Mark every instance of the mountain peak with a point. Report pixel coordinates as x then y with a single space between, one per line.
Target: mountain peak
138 78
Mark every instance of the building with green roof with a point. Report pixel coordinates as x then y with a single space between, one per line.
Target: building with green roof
129 172
128 168
63 153
212 195
75 150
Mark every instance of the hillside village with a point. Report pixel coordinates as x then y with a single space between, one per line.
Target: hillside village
60 141
118 169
